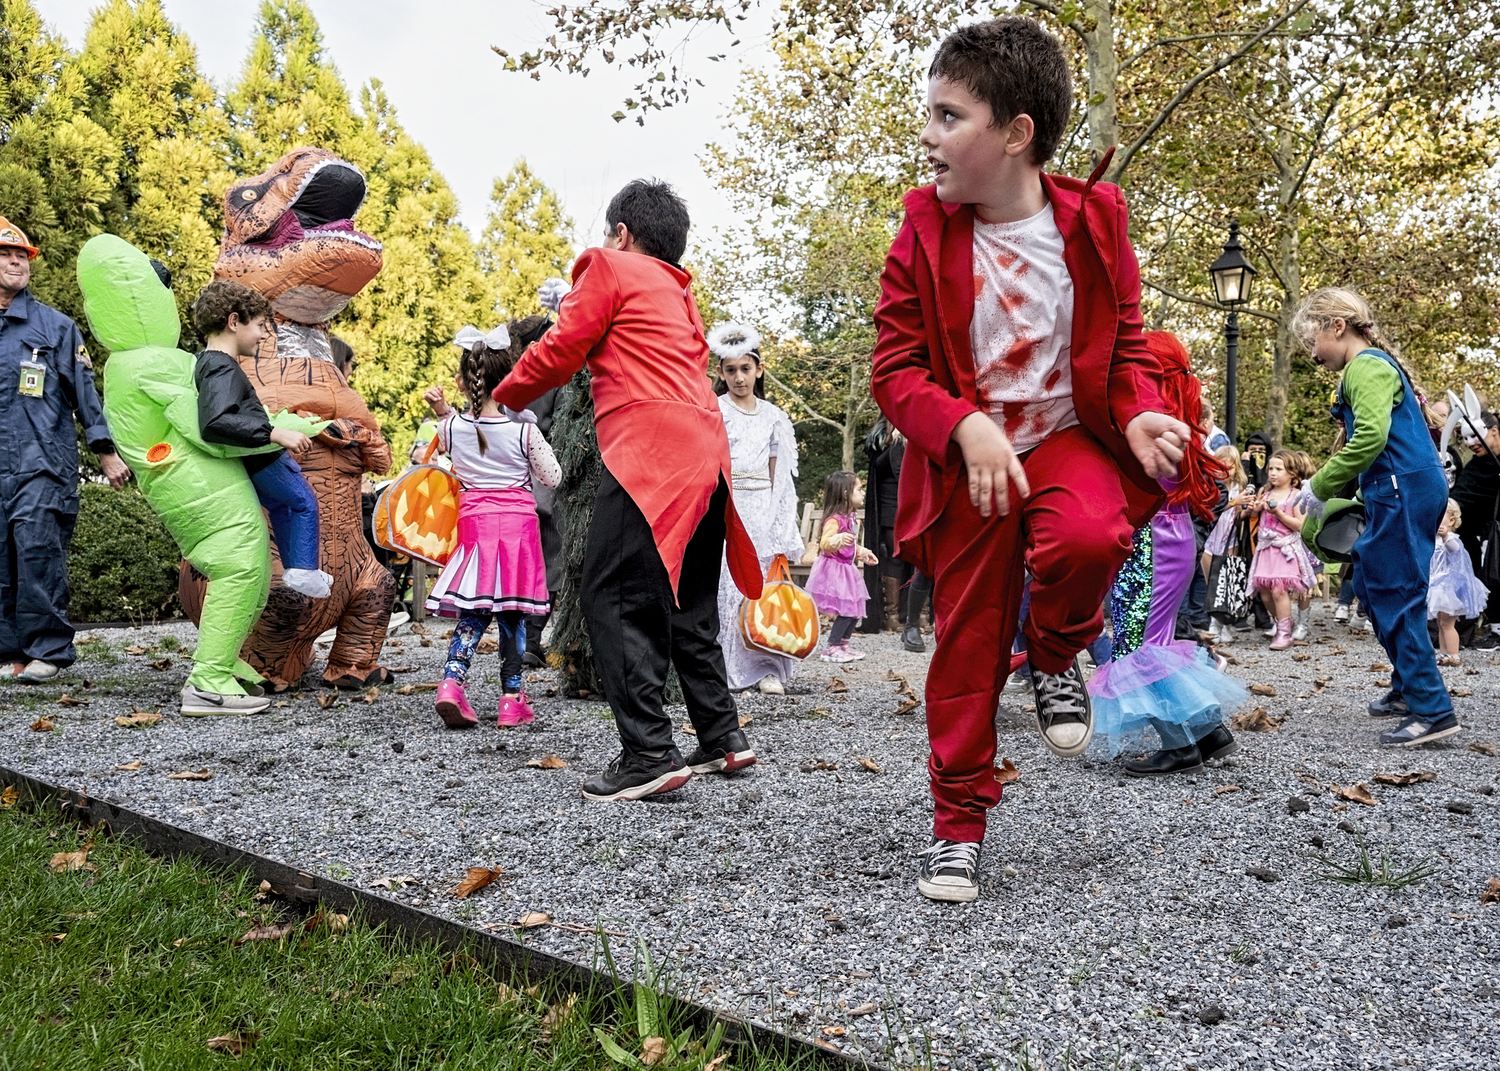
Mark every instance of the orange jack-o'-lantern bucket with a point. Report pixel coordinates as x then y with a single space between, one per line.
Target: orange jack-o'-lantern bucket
784 620
417 513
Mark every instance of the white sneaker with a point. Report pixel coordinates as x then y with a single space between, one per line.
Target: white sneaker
197 703
1341 615
769 685
1368 625
1226 634
314 583
37 672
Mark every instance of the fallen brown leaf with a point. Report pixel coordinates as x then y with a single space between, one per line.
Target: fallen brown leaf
408 689
55 937
1226 656
1224 790
533 919
1338 651
267 933
138 719
394 882
9 797
557 1014
191 775
235 1045
327 699
746 719
43 725
548 762
836 685
867 1008
263 891
819 764
892 675
1491 895
716 1063
1263 689
135 650
1379 667
1359 793
819 712
1006 773
136 765
1484 749
1405 778
1460 693
653 1051
372 695
478 877
162 664
834 1031
1256 721
687 727
908 705
1301 656
63 862
870 764
403 669
69 701
488 645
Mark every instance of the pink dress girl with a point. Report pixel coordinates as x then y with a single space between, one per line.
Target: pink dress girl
838 587
1282 561
497 571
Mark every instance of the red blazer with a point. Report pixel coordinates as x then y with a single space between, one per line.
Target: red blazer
632 320
923 365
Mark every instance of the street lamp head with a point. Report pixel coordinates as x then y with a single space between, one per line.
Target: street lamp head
1231 274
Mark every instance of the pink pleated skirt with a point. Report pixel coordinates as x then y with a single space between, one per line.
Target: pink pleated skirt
498 564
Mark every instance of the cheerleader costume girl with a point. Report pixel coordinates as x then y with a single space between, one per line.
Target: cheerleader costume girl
497 571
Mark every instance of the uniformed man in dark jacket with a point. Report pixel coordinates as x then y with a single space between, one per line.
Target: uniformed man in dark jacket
45 378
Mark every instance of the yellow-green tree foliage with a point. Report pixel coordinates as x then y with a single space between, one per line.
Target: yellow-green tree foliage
525 240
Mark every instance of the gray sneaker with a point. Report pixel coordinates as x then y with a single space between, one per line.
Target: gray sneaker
1063 712
197 703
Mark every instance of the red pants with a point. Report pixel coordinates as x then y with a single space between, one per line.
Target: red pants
1072 534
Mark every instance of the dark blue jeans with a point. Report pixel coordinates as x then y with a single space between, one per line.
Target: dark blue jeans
286 497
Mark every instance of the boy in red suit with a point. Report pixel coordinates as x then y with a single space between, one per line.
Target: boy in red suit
663 510
1010 354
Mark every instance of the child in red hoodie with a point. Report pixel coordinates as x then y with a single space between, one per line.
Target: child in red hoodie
663 511
1010 354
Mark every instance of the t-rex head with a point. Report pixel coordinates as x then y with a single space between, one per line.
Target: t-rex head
288 235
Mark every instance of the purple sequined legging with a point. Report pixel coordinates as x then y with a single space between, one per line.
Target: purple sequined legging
467 634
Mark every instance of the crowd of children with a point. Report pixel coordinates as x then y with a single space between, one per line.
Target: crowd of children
1054 451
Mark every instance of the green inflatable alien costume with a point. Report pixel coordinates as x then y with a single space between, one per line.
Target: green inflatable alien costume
199 489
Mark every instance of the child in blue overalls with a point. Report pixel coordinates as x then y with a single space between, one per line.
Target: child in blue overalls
1405 493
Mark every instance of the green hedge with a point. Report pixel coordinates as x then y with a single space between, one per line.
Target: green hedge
123 564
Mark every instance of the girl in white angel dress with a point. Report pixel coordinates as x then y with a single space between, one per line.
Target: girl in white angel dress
763 459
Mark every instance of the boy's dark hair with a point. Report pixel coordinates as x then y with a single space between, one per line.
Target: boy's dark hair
656 215
1017 68
222 297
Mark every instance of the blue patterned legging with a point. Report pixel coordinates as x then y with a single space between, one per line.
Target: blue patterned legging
467 634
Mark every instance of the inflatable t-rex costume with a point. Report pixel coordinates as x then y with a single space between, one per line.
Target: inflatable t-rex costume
288 234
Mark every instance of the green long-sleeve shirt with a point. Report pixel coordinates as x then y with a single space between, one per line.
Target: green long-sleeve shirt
1372 387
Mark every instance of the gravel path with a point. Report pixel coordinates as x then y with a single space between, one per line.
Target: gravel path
1121 923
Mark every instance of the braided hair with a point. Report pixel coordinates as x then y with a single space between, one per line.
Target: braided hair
1198 470
1320 308
480 370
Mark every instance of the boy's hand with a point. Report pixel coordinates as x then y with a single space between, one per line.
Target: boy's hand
435 398
294 441
1158 443
992 464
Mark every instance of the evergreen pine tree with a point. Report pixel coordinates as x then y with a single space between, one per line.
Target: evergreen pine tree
576 444
525 240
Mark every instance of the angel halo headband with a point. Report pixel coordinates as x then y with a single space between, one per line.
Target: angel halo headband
731 341
469 336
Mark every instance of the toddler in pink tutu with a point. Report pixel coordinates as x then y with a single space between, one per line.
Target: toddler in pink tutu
496 571
1453 591
835 582
1282 566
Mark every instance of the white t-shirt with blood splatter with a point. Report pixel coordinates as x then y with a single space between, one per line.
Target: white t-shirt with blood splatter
1022 330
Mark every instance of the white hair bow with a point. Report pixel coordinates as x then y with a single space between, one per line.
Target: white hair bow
470 336
551 293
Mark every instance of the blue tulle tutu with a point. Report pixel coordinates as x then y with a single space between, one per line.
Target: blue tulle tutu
1161 686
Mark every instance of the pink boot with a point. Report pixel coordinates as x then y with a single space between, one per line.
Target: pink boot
453 706
1283 638
514 710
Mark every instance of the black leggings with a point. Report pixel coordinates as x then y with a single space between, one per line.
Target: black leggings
839 634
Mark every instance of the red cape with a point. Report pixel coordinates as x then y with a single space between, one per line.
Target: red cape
631 318
923 367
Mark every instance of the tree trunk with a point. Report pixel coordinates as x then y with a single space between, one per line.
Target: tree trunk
1097 28
1290 274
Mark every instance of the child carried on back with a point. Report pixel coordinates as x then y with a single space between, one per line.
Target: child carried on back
233 320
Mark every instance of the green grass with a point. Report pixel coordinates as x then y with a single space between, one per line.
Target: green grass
133 965
1365 869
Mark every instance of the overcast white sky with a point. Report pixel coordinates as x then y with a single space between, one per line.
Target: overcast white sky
474 118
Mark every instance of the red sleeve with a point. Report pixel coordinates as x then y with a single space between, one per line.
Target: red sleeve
583 318
1134 373
901 377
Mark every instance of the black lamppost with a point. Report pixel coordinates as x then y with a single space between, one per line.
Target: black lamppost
1231 276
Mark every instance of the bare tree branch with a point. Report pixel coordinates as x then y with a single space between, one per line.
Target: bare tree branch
794 396
1203 302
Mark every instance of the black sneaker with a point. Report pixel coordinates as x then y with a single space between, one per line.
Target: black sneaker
729 752
1419 730
1488 642
950 871
1063 713
1390 705
632 777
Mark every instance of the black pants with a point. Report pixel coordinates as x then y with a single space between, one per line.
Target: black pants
838 635
637 631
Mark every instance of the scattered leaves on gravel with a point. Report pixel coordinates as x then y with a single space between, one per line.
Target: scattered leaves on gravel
836 685
1262 873
394 882
1006 773
867 1008
1405 778
1491 895
1263 689
478 877
69 701
548 762
43 725
408 689
819 764
1483 749
909 704
191 775
136 765
138 719
162 664
1224 790
533 919
1257 721
870 764
372 695
327 699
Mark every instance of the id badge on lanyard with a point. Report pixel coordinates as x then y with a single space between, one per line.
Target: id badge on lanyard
33 376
